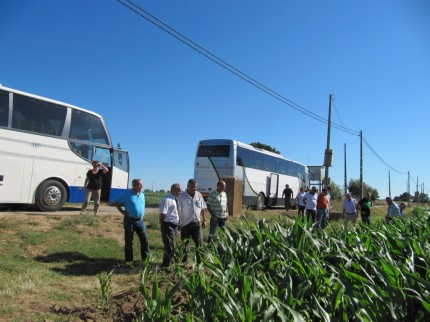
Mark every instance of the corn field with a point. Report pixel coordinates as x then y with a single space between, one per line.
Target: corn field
286 272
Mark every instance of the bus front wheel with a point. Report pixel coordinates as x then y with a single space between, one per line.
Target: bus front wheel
260 202
51 196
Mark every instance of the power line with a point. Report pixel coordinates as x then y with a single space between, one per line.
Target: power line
222 63
380 158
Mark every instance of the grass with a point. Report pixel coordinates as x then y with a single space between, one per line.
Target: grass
55 260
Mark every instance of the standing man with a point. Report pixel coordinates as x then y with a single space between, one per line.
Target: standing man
133 201
93 186
311 203
169 221
288 193
322 207
365 205
217 207
329 202
301 202
192 206
349 210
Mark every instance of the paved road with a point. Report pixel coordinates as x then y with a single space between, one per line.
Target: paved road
67 211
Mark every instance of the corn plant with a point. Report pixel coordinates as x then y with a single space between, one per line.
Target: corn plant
105 281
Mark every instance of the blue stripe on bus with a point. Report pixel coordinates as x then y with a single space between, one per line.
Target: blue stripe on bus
115 193
77 194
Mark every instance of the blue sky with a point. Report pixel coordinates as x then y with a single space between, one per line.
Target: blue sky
159 97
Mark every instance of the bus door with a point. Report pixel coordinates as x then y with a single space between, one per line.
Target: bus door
103 155
119 173
273 192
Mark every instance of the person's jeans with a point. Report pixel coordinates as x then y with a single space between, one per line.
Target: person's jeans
132 226
215 222
321 218
194 231
169 232
96 197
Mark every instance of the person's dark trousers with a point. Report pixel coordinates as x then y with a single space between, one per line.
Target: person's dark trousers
214 224
309 213
169 232
194 231
287 203
365 219
132 226
301 211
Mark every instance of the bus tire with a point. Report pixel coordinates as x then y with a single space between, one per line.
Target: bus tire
260 202
51 196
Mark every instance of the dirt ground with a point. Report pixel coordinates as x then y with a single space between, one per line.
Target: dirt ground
126 303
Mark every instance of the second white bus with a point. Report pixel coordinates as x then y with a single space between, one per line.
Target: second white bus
264 174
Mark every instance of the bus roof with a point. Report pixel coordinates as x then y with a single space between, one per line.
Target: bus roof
49 100
246 146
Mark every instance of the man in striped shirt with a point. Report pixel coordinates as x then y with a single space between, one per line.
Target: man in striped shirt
217 207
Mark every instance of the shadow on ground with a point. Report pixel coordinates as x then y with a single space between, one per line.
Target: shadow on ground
77 264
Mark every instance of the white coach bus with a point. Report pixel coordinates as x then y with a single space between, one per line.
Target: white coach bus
46 149
264 174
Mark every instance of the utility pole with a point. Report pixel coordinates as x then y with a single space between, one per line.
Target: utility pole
345 185
389 183
361 163
409 189
328 155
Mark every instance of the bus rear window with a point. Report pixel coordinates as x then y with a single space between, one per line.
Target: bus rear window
214 151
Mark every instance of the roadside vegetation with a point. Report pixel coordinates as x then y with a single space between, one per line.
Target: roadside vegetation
268 266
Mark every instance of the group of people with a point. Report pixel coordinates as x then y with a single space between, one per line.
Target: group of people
351 207
317 205
183 211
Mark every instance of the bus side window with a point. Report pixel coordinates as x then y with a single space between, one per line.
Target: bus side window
4 108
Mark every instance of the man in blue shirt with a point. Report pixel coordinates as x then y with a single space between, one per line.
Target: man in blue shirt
133 201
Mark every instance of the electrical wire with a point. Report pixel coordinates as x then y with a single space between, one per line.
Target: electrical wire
222 63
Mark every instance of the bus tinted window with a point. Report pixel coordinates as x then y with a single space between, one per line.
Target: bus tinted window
214 151
260 161
30 114
87 127
4 108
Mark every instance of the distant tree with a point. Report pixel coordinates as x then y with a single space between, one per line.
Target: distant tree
354 188
147 190
423 197
264 147
162 191
336 192
405 196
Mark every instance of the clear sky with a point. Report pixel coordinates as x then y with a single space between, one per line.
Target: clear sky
159 97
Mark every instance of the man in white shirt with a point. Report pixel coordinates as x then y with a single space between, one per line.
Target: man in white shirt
310 201
300 202
191 207
169 222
